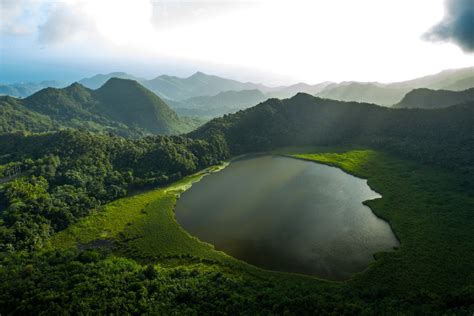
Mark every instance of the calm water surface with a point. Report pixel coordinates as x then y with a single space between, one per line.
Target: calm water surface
288 215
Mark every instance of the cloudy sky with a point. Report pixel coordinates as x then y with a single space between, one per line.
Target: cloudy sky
271 41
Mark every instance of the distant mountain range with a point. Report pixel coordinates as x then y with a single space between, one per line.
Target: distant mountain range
206 96
121 106
21 90
392 93
222 103
199 84
97 81
433 99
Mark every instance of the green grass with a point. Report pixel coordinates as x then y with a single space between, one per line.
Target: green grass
142 224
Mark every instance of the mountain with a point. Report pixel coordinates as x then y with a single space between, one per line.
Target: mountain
96 81
391 93
441 80
284 92
462 84
434 136
129 102
120 106
219 104
21 90
363 92
199 84
431 99
14 116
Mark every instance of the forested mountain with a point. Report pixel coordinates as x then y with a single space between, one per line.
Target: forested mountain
128 102
200 84
14 116
432 99
121 106
21 90
442 136
98 80
219 104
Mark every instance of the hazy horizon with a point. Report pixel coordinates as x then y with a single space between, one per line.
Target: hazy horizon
271 42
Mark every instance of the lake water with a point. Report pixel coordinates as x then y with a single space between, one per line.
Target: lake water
289 215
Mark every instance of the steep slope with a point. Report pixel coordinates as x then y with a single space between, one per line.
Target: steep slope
432 99
219 104
128 102
363 92
98 80
72 102
16 117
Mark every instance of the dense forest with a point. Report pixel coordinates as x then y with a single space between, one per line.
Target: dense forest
50 181
444 137
120 106
64 175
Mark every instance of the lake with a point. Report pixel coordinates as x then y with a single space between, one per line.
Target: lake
286 214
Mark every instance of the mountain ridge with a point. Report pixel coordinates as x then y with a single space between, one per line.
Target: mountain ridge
122 106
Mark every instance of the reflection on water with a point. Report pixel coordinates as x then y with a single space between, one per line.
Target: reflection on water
288 215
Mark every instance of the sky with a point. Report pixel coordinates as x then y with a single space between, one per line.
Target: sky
269 41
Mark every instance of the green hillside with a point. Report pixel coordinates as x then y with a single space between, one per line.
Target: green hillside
130 103
120 106
442 136
14 116
432 99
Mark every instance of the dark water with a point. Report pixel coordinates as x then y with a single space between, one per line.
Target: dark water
287 215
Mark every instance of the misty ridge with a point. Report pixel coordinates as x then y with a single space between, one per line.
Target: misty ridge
206 96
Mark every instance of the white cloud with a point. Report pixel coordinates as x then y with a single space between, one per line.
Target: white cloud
66 22
307 40
19 17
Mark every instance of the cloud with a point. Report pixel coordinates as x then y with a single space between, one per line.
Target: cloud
18 17
65 21
173 13
457 25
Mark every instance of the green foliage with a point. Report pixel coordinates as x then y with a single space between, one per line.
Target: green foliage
420 161
443 137
121 106
68 174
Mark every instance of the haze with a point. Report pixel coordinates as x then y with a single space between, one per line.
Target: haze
275 42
